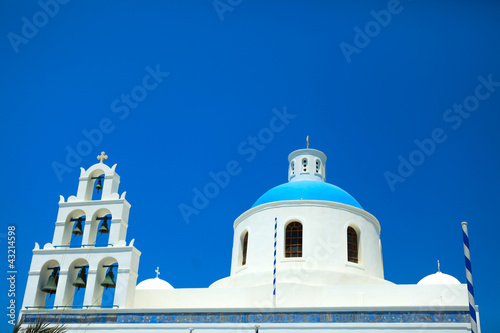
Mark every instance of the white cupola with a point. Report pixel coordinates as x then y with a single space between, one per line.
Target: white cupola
307 164
438 278
154 283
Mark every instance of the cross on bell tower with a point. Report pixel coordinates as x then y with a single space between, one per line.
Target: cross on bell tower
102 157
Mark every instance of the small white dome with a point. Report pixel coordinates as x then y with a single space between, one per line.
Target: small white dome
438 278
155 283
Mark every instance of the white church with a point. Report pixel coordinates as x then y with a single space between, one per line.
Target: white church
306 257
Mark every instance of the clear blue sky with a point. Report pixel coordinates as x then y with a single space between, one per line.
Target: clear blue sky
366 80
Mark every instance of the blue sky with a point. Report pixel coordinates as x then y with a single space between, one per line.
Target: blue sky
402 97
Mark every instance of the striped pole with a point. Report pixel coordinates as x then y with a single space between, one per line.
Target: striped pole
274 271
468 273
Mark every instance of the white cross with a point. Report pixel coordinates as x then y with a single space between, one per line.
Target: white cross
157 270
102 157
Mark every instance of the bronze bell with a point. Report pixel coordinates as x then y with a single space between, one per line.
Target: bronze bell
78 228
51 286
81 280
109 280
104 229
98 187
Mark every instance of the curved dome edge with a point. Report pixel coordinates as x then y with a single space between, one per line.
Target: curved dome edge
307 190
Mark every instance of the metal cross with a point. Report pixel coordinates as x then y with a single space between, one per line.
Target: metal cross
102 157
307 139
157 270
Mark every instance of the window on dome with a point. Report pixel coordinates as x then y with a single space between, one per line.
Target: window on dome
352 245
293 242
244 248
318 166
304 164
293 168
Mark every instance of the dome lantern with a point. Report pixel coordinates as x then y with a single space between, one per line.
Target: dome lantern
307 164
307 181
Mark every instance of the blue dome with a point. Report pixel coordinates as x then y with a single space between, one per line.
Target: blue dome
307 190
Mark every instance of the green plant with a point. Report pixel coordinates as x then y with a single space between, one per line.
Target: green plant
40 326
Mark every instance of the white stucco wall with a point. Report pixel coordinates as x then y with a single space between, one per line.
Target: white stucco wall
324 258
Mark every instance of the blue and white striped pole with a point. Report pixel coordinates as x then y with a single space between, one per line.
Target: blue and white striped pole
468 272
274 271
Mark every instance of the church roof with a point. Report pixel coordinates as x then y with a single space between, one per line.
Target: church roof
438 278
307 190
155 283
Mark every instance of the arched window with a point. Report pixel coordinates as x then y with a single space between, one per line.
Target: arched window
103 225
95 185
47 285
106 280
293 167
293 242
244 246
318 166
304 164
76 284
109 283
352 245
98 185
77 231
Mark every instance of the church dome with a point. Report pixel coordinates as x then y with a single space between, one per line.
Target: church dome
307 190
305 220
438 278
155 283
307 181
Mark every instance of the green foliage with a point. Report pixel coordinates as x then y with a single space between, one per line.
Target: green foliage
40 326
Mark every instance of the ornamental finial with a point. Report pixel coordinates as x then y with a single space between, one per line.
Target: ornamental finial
157 270
102 157
439 267
307 140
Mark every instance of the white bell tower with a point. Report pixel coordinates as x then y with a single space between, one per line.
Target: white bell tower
91 218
